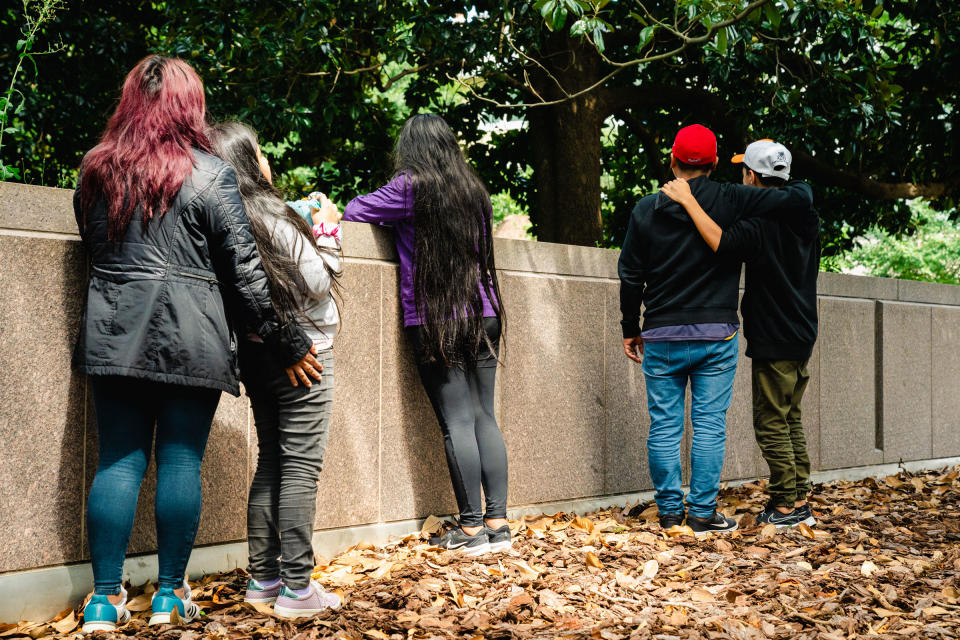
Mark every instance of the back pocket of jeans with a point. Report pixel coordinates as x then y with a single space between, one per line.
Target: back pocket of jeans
656 358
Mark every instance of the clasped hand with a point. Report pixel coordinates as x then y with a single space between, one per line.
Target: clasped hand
307 367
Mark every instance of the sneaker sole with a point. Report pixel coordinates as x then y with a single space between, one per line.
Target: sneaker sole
290 614
810 522
260 600
701 534
779 525
499 547
164 618
90 627
476 550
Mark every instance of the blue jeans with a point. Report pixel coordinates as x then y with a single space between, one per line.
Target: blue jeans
710 367
127 409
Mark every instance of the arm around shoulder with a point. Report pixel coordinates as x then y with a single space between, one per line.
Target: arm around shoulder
793 197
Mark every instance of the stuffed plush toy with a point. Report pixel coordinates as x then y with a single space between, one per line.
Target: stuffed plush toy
305 207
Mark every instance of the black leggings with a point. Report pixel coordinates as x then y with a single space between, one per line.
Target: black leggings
463 402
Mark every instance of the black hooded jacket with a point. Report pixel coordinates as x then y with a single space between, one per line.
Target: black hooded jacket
155 302
780 298
668 271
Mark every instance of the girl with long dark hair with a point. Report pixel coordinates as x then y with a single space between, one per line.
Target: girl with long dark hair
163 223
441 212
302 264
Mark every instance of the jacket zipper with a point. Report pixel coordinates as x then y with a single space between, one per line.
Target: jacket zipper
212 281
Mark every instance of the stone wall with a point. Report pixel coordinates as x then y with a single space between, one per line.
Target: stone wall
571 406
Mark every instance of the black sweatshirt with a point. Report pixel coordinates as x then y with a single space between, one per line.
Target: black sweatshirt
780 302
666 267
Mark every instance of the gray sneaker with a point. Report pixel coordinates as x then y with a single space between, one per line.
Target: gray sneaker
257 593
499 538
456 540
717 523
290 605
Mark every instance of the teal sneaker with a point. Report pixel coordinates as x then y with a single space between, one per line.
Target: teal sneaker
166 600
102 615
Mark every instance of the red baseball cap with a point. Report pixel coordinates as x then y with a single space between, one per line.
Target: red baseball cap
695 145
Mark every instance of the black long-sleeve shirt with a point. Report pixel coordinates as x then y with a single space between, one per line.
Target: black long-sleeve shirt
670 274
780 301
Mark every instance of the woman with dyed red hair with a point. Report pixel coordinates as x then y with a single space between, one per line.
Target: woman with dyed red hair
168 239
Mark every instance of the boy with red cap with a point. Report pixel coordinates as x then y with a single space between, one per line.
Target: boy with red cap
688 301
780 321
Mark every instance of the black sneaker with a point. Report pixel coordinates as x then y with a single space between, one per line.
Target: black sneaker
716 523
772 516
457 540
805 515
499 538
669 520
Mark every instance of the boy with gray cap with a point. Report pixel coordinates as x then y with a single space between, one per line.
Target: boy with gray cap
779 311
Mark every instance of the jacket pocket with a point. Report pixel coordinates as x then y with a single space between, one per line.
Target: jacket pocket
101 312
222 330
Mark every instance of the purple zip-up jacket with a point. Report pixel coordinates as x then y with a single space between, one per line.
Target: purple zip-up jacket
392 204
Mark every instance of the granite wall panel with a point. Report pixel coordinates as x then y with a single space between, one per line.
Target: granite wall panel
627 422
570 404
906 392
552 387
945 381
414 479
42 413
848 383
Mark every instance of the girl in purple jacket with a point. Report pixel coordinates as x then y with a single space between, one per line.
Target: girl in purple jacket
440 212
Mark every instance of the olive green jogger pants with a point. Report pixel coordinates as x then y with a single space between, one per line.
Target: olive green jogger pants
778 387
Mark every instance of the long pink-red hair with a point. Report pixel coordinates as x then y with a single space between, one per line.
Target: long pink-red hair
145 152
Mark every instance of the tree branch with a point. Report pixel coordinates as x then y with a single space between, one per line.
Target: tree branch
826 174
685 41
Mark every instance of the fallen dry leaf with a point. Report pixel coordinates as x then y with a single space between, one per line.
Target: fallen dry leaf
593 561
431 525
650 569
698 594
67 623
883 562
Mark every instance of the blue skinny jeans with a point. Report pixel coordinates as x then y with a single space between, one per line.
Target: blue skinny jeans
127 410
710 368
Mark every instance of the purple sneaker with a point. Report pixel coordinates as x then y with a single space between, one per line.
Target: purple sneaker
290 605
257 592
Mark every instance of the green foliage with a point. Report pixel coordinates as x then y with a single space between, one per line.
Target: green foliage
36 14
504 205
865 87
929 250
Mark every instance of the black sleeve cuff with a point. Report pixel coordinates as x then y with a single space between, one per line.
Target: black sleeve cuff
289 342
631 327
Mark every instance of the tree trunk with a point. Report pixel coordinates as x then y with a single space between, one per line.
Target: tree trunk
567 146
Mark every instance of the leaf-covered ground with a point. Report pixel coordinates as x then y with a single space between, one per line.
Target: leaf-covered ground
883 562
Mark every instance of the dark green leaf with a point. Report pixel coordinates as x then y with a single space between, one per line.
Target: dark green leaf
773 15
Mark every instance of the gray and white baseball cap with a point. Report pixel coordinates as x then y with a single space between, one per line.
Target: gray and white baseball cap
768 158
